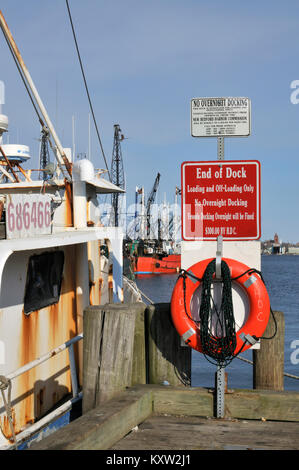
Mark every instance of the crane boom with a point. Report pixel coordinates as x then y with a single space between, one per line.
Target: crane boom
150 201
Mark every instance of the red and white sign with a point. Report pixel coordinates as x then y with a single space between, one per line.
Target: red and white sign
27 215
221 198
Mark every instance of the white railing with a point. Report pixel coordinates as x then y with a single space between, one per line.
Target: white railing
60 410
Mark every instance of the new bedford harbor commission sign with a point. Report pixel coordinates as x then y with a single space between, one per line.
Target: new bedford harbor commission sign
220 117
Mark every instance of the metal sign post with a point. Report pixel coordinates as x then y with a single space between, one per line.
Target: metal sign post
220 374
211 183
220 145
220 388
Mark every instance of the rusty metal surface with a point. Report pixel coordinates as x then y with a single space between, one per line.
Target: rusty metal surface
35 392
68 215
28 337
95 273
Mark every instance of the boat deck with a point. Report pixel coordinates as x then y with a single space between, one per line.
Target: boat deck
193 433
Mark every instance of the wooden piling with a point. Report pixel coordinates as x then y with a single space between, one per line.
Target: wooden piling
139 374
109 346
92 333
169 361
268 361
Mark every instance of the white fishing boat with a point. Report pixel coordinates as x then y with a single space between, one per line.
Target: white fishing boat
51 269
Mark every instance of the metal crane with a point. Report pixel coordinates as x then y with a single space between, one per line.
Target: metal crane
150 201
117 174
44 158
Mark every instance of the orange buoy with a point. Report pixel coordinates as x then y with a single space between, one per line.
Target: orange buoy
248 279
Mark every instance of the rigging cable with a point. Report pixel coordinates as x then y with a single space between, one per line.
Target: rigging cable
86 87
24 82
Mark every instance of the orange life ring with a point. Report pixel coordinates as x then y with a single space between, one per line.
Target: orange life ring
259 304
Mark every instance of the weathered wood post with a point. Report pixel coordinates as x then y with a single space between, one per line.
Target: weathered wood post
92 333
109 346
268 361
139 374
168 361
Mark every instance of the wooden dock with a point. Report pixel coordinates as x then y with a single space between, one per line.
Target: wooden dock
129 351
167 433
162 418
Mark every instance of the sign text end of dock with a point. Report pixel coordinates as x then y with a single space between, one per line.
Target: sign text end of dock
220 117
221 198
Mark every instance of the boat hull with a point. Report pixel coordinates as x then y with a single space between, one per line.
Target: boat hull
150 265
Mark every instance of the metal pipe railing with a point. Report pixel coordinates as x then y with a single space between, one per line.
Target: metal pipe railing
75 387
45 357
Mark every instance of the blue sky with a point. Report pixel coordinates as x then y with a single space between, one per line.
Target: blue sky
144 62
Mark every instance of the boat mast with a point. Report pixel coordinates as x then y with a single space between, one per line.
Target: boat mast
142 216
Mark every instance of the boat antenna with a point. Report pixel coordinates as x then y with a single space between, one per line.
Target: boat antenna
86 87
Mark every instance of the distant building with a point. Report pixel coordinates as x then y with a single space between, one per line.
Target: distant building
276 245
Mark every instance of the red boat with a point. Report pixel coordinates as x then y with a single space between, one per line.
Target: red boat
153 265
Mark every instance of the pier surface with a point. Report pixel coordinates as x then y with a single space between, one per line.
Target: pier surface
194 433
149 417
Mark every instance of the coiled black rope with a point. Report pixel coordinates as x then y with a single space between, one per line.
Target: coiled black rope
217 327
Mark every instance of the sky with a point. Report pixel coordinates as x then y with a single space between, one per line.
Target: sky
144 61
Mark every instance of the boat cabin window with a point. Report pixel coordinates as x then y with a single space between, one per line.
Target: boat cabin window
44 277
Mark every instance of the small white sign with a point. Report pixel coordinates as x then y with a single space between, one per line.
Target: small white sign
27 215
220 117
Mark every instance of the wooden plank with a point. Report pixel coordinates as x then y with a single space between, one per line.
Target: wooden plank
116 351
100 428
168 360
254 404
268 361
113 355
189 402
195 433
104 426
243 404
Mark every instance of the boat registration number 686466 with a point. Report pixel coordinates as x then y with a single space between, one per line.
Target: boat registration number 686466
27 215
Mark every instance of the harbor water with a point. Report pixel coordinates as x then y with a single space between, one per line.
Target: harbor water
281 275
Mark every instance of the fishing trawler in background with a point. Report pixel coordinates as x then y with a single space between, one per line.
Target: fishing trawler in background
152 246
56 258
